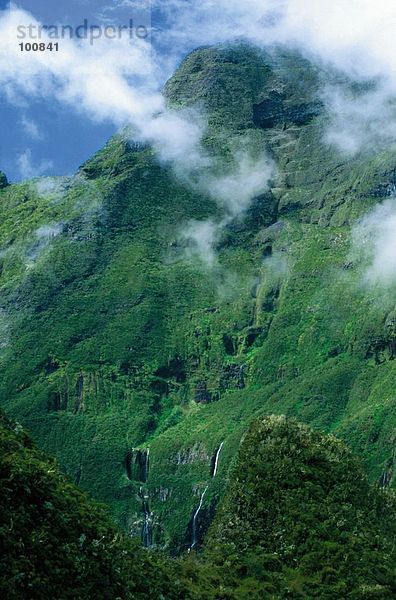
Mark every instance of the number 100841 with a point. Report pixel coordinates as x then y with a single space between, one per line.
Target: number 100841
39 47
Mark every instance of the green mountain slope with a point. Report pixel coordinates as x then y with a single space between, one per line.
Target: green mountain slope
131 361
298 520
56 543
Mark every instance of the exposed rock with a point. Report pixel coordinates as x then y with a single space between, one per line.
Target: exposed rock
253 334
187 456
386 187
202 395
175 369
271 233
137 465
55 402
348 265
270 299
163 493
229 344
3 180
273 111
233 376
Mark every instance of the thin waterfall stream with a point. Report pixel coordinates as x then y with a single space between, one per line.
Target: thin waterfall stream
216 463
194 523
196 514
147 528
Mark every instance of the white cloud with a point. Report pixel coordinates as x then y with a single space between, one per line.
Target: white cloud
51 186
356 37
31 128
29 169
201 237
112 80
48 232
130 4
120 80
247 178
374 242
41 242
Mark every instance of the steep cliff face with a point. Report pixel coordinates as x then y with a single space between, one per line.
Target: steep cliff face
116 341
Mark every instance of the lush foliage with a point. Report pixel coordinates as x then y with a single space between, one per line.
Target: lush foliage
114 339
300 519
56 543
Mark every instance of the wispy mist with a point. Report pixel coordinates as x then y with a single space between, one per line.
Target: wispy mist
28 168
244 179
200 238
374 244
41 241
121 81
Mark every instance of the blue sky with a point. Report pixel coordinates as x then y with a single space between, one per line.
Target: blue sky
44 136
56 110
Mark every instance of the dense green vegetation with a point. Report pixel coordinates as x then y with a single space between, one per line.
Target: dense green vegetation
298 520
56 543
113 340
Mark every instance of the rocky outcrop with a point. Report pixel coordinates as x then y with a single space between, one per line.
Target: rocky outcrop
3 180
233 377
137 465
273 111
163 493
202 394
188 456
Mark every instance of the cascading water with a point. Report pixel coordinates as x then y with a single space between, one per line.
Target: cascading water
215 464
385 480
144 465
194 523
147 530
216 461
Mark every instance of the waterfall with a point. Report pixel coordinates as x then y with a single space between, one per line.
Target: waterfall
146 464
147 530
137 464
216 462
385 480
194 523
